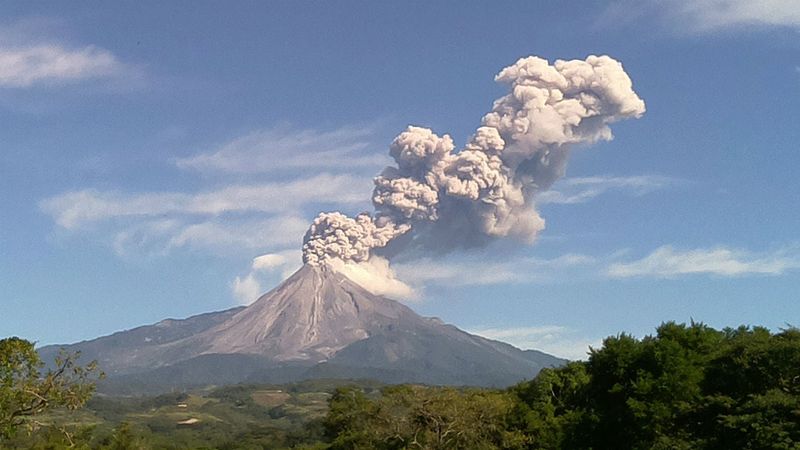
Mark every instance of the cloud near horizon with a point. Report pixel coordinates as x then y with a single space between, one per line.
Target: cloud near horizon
663 262
553 339
667 262
474 272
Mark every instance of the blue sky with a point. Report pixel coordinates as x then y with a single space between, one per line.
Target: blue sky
149 152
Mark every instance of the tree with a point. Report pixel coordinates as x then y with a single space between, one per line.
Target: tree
687 387
352 420
753 391
550 409
417 417
26 391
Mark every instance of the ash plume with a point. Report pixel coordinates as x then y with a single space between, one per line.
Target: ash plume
486 190
334 236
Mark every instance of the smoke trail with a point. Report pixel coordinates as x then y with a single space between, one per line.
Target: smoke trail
486 190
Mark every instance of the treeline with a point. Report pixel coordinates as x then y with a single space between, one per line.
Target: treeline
687 387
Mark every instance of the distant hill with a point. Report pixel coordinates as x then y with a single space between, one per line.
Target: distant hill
316 324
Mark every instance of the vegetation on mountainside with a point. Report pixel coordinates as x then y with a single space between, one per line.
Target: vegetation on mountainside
229 417
686 387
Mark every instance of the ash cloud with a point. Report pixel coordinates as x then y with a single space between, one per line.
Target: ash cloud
444 198
334 236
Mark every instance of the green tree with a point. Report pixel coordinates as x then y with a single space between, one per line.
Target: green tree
551 408
416 417
352 420
26 391
645 391
752 391
686 387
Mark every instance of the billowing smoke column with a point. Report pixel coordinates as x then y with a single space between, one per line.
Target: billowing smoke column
487 189
336 236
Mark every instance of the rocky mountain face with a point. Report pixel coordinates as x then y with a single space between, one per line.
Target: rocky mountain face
316 324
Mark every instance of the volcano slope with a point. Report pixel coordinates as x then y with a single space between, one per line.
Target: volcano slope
316 324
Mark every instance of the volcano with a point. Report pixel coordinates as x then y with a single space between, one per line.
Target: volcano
316 324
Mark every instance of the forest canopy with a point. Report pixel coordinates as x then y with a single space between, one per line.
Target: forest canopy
686 387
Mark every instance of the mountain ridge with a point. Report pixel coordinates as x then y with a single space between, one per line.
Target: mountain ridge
315 324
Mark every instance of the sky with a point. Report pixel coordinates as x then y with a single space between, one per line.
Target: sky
151 153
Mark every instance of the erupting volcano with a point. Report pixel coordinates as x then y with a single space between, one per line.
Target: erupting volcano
327 320
316 324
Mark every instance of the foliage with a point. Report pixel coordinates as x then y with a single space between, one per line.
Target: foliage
26 392
546 410
420 417
687 387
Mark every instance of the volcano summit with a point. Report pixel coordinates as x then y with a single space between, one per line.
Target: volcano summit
316 324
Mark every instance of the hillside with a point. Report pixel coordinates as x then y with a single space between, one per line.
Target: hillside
316 324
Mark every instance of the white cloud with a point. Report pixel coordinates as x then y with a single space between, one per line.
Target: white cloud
475 272
159 237
553 339
718 14
246 290
283 148
47 64
286 262
75 209
141 237
704 16
667 262
247 234
583 189
507 333
229 217
430 271
269 261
